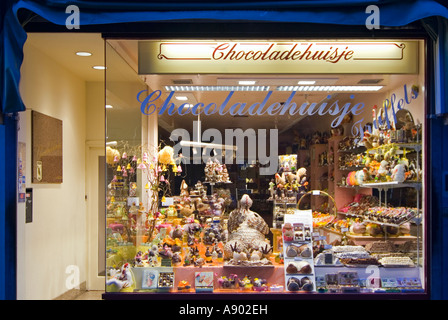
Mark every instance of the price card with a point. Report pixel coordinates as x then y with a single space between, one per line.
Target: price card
300 216
169 201
133 201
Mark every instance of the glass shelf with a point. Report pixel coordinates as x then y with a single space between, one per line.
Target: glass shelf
392 185
415 146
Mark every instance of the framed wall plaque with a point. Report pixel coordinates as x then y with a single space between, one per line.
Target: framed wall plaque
46 148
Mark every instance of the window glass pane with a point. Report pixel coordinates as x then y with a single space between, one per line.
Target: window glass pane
307 181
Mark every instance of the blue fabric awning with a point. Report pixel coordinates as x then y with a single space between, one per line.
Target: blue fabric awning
342 12
96 12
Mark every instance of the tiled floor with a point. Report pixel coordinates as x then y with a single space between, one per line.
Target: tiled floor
90 295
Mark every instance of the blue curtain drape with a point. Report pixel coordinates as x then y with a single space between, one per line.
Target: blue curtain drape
438 28
343 12
12 40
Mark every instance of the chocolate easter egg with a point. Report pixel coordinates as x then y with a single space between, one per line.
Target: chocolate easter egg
291 251
304 267
306 284
305 251
291 268
293 284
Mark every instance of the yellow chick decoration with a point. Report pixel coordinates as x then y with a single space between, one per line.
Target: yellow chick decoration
111 154
165 155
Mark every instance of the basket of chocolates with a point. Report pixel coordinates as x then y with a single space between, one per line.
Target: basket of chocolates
321 219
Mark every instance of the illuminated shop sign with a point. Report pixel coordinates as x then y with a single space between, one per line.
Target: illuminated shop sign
278 57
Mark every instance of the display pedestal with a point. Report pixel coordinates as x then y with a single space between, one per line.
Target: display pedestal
274 275
298 252
370 279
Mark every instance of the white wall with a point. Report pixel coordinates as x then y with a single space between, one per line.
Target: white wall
56 239
95 126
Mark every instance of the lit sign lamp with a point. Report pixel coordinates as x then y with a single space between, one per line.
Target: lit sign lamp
196 144
279 88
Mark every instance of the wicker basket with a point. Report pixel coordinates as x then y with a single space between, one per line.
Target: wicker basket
319 193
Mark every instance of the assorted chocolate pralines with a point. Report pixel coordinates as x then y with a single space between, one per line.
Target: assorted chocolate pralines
360 261
397 215
166 280
390 215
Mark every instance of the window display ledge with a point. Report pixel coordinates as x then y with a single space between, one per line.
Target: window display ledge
272 296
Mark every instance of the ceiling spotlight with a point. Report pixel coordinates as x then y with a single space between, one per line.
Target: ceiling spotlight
83 54
109 106
99 67
182 98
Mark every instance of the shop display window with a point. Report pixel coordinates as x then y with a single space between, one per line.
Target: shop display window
294 183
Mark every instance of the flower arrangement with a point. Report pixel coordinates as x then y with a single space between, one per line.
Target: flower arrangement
156 166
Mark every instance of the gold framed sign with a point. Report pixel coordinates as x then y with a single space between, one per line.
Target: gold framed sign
317 57
46 148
